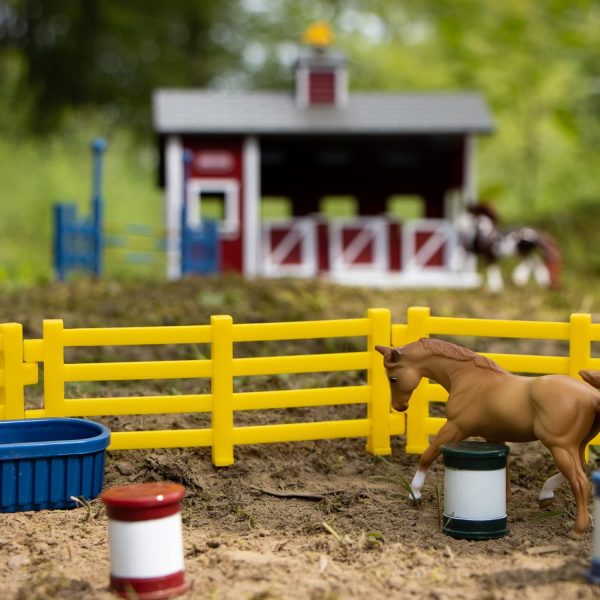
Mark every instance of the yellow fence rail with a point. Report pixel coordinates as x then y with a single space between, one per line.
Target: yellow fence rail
579 333
21 359
377 426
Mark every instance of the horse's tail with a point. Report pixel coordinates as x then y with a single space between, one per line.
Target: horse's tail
550 253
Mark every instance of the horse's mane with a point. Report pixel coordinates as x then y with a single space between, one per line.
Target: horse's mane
449 350
484 209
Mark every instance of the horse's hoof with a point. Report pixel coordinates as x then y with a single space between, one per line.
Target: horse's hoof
575 535
546 502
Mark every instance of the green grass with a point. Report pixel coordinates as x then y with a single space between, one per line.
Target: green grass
398 479
37 172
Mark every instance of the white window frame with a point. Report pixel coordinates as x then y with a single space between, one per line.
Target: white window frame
229 226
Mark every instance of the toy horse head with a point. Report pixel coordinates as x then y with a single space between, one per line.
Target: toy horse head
401 373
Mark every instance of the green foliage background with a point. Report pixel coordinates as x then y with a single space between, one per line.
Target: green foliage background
73 70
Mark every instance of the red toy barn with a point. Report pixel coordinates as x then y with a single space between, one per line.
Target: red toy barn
378 149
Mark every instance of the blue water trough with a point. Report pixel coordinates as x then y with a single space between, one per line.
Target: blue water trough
45 463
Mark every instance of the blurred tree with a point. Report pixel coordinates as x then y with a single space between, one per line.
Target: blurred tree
107 53
538 64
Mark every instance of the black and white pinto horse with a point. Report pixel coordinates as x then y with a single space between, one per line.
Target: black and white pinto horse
539 254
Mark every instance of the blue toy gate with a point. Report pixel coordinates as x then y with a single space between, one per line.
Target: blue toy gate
79 242
76 242
200 249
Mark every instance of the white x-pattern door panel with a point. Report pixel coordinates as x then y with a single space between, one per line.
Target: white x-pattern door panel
359 245
290 248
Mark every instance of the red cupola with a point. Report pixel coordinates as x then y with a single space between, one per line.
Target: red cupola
321 73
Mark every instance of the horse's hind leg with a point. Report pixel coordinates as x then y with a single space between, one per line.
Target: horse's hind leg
569 464
593 432
522 272
552 483
541 273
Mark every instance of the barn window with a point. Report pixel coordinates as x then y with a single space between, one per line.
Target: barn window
275 207
321 87
216 199
339 206
212 205
406 207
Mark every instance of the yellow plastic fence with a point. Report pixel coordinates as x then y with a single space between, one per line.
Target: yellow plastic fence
579 332
377 426
20 360
14 373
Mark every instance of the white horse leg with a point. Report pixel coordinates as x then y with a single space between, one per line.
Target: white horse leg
495 282
449 432
417 484
522 272
550 485
541 273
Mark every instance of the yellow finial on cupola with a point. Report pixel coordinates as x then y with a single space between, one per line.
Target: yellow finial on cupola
318 34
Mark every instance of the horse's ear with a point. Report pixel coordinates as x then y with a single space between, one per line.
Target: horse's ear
391 356
383 350
395 355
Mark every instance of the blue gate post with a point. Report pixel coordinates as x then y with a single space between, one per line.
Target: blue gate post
60 241
98 148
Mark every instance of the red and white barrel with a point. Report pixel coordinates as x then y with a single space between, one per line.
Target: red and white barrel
145 538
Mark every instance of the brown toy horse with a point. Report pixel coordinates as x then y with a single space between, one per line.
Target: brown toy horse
487 401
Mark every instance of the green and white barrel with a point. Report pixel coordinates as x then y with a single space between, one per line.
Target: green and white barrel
594 573
475 490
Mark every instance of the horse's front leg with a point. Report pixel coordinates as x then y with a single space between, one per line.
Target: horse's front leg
448 433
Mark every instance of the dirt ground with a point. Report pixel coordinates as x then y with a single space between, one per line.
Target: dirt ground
318 520
310 520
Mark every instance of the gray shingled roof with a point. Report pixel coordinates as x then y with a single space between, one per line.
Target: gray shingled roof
201 111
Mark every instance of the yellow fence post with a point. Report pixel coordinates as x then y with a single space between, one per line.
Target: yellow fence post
378 409
579 343
12 391
580 346
54 368
417 439
222 390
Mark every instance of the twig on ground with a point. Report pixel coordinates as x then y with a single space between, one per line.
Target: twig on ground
298 495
